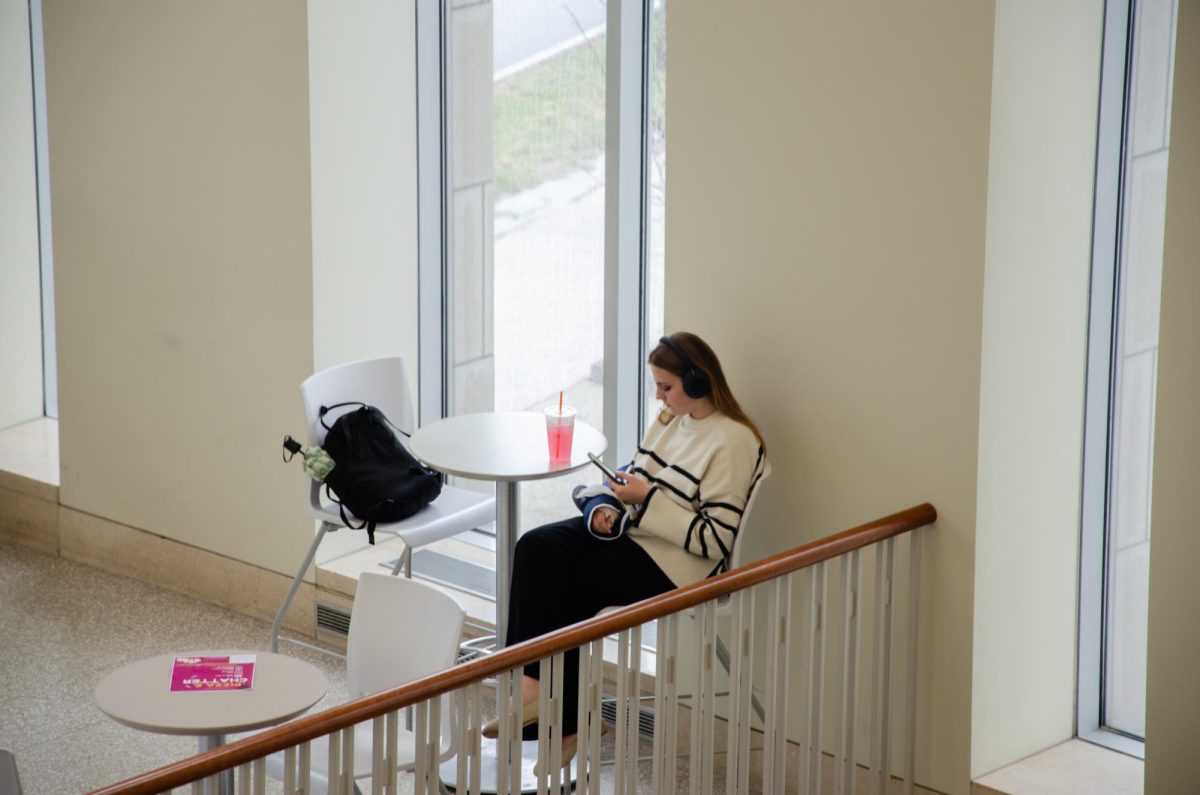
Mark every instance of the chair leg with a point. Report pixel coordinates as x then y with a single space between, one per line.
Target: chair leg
405 561
723 656
291 594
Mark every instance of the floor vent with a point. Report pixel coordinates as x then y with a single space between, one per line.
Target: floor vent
451 571
608 711
332 618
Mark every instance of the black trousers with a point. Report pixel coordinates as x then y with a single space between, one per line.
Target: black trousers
563 574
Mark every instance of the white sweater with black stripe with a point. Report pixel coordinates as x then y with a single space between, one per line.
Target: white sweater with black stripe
701 473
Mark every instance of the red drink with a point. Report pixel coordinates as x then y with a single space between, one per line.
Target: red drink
560 432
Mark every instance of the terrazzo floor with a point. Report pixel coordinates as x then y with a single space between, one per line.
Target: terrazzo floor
64 626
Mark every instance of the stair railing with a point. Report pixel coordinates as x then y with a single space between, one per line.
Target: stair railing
800 626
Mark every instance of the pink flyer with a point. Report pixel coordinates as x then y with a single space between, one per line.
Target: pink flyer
235 672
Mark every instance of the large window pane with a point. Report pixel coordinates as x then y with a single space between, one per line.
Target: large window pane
1135 360
526 216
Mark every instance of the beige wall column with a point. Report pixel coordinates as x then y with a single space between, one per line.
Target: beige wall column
362 89
1172 693
1045 87
20 274
180 186
825 231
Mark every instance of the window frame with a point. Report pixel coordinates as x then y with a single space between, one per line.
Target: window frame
1107 238
626 218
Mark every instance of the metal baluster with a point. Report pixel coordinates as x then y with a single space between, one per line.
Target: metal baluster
304 775
391 751
802 632
735 695
697 702
816 674
334 767
462 738
775 725
634 696
475 750
746 699
543 755
503 696
515 730
582 719
348 770
851 574
556 722
289 773
243 776
772 674
670 715
910 693
660 687
435 745
622 711
596 695
259 769
378 775
881 699
708 674
420 756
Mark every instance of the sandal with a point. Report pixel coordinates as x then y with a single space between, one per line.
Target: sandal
529 714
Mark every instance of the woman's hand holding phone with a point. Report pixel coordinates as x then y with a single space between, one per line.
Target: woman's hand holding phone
632 491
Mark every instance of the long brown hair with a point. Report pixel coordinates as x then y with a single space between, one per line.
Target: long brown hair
703 358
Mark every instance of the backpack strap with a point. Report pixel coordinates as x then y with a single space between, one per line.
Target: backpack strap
395 427
321 412
367 524
346 520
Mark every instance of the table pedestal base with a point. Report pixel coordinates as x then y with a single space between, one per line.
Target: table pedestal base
489 766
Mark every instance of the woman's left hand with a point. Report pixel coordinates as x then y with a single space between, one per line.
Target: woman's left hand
632 492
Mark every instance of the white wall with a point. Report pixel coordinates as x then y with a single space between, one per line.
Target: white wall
20 288
1045 84
1172 693
825 231
180 185
362 89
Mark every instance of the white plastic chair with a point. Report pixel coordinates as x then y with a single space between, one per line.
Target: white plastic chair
382 383
400 630
735 557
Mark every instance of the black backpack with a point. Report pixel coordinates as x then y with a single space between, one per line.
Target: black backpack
375 476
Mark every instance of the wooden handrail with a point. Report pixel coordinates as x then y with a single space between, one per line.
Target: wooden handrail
336 718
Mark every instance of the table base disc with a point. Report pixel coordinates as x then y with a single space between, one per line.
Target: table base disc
449 768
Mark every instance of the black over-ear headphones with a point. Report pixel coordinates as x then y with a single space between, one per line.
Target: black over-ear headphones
695 380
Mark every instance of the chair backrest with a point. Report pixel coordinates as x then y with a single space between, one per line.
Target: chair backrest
735 556
382 383
400 630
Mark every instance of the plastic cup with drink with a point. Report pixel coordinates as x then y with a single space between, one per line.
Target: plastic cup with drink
560 431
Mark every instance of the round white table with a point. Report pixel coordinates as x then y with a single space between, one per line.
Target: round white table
139 695
507 447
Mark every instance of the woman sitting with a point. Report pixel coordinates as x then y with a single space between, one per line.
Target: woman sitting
683 495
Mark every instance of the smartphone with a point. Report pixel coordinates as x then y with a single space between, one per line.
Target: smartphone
604 468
